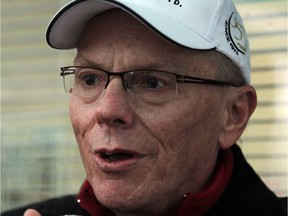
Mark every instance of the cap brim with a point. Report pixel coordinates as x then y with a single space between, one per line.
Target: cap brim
65 28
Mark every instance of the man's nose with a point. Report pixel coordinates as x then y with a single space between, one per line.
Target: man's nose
113 107
120 75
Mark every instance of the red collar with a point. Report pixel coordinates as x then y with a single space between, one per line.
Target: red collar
192 204
87 200
198 204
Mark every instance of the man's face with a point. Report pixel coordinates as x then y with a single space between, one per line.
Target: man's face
144 157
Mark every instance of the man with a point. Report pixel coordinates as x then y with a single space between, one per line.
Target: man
159 94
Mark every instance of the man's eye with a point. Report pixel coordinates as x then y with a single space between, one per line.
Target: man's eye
90 80
152 82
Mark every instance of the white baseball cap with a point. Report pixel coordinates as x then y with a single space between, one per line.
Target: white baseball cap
196 24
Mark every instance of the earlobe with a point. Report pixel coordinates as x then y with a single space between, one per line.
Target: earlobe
240 105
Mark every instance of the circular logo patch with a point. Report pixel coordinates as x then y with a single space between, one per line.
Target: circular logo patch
237 35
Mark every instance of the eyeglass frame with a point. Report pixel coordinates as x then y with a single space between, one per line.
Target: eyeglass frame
179 77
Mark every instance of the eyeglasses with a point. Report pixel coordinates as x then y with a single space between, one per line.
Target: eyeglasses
149 86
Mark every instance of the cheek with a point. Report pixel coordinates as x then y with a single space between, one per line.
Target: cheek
80 117
185 130
75 116
173 126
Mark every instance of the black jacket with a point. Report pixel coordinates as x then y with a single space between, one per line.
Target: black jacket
245 195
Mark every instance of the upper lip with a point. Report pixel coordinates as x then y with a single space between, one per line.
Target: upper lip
115 151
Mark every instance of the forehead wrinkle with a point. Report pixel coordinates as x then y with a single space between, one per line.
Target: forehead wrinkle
116 63
188 67
81 60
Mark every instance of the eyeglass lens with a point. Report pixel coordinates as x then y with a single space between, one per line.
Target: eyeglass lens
147 86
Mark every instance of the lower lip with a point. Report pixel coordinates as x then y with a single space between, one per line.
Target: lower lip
116 166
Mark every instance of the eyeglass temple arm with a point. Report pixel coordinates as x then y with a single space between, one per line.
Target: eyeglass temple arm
184 79
65 72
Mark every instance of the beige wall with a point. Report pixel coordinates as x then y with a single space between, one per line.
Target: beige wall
39 157
265 140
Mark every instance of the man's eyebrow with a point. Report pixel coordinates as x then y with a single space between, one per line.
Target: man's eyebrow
82 61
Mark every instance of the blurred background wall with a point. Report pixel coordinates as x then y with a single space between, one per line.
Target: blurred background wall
39 155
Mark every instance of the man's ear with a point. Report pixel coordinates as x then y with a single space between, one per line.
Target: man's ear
240 104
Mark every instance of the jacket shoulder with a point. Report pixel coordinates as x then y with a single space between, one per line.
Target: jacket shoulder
246 194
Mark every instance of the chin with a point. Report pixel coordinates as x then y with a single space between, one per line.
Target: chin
119 196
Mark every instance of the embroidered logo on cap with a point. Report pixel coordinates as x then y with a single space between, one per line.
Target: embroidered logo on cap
176 2
235 34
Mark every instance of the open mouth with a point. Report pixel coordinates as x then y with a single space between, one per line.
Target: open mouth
117 160
120 156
